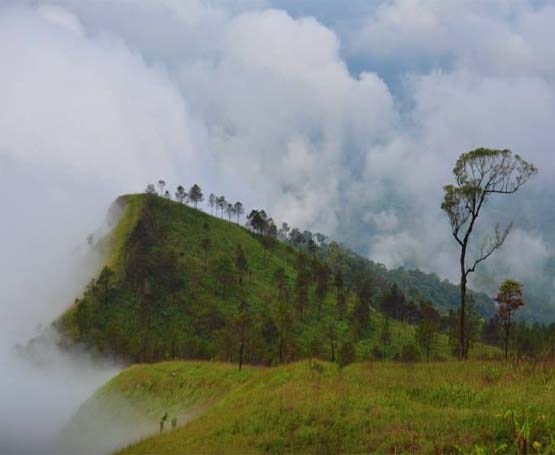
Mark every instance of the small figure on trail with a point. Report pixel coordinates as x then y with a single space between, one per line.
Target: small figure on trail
174 423
164 418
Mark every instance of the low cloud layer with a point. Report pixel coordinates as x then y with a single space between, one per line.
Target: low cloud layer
344 119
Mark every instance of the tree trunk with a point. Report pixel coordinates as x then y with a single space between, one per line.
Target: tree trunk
507 328
462 353
280 349
241 349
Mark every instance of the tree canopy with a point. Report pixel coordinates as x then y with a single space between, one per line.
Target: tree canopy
479 174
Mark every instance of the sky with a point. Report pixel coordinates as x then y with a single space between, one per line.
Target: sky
339 117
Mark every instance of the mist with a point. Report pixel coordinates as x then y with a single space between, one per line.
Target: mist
76 132
340 120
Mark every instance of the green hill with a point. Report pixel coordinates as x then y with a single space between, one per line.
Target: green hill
180 283
314 407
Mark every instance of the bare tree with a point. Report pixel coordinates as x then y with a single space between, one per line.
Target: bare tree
479 174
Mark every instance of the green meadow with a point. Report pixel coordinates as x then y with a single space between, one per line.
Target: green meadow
474 407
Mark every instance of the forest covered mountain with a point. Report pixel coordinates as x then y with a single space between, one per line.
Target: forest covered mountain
180 283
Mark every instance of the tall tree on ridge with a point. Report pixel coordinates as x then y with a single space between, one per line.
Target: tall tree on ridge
271 232
180 194
478 175
239 210
220 203
258 220
195 195
229 211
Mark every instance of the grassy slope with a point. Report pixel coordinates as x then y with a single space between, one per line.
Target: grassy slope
380 407
129 407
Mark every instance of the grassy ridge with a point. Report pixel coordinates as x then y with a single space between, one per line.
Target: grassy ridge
174 387
129 407
380 407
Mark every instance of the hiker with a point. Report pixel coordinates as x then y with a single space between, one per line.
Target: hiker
164 418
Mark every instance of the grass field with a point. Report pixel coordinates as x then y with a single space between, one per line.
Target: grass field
313 407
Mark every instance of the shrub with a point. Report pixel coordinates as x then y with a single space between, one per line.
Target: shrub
410 353
347 354
377 353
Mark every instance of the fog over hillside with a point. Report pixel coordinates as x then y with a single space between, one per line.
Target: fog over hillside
340 119
343 120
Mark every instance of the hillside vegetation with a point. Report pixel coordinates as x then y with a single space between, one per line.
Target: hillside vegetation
180 283
315 407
